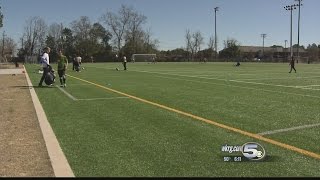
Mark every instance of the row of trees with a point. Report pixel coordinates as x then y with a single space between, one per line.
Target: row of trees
121 33
231 51
124 34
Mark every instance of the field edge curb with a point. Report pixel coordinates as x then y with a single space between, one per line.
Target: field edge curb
58 160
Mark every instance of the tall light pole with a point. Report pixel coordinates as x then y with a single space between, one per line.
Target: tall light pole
290 8
299 5
215 30
263 36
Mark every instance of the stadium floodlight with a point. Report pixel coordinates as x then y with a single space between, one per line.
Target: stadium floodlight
299 5
290 8
215 30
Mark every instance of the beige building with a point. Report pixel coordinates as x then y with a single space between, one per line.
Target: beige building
274 54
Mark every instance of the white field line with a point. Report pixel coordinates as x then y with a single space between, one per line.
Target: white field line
88 99
66 93
277 85
289 129
78 84
92 99
309 86
256 89
279 78
181 75
219 79
313 89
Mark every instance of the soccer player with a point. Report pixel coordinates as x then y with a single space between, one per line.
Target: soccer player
62 67
124 63
74 62
77 64
292 65
45 64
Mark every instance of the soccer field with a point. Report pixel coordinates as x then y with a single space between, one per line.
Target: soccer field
173 119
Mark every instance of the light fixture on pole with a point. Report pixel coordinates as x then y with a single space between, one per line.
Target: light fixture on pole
290 8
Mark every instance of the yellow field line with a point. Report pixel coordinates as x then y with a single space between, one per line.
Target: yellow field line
256 136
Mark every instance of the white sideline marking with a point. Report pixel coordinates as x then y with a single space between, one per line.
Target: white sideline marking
263 84
289 129
280 78
58 160
66 93
89 99
92 99
78 84
277 85
257 89
308 86
181 75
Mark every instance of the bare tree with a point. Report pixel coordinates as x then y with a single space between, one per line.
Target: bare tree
194 42
134 29
1 18
118 23
211 45
8 47
148 42
188 42
81 28
55 31
198 41
34 35
82 31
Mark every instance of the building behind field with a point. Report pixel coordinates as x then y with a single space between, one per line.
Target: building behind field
271 54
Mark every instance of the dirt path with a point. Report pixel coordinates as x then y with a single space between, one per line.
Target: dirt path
23 151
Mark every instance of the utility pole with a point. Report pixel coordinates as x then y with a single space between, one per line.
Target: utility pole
263 36
3 35
299 5
290 8
215 30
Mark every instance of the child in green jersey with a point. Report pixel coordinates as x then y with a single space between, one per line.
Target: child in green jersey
62 67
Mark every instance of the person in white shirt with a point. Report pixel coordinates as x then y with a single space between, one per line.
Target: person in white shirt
77 61
45 64
125 62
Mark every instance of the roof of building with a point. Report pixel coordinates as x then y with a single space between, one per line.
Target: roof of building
267 49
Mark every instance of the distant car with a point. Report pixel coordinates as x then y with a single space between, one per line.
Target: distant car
256 59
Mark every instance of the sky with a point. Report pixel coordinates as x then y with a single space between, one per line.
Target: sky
168 20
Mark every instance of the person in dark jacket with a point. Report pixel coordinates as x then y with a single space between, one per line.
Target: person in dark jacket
292 65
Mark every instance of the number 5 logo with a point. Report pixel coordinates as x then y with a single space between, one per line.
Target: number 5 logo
253 151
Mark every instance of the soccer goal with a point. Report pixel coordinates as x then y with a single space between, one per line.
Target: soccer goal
305 60
143 57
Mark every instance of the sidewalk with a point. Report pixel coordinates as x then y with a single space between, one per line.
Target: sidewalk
23 151
28 145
